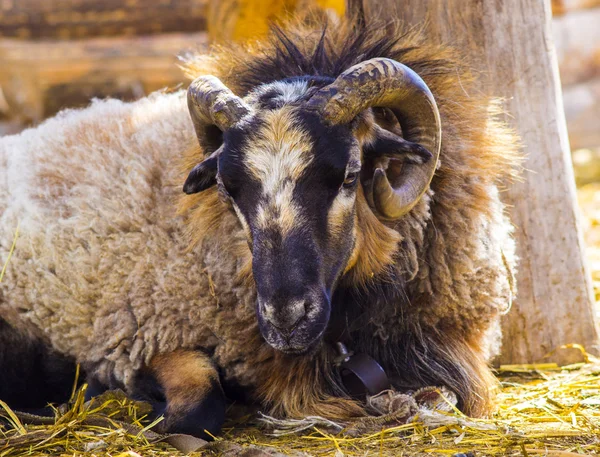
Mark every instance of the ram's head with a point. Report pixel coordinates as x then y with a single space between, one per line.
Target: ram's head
293 157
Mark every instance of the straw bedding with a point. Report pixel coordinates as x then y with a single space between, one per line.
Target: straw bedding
542 410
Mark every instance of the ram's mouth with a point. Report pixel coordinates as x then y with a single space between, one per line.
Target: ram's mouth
296 351
292 347
304 340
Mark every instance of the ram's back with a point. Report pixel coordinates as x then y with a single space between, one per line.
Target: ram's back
92 194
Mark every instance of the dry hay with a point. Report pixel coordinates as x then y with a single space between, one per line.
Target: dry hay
542 410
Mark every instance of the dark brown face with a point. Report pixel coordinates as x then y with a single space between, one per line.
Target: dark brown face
288 157
292 182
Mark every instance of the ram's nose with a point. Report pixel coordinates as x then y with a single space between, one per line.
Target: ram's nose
285 318
293 322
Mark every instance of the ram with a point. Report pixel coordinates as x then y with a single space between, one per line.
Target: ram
341 189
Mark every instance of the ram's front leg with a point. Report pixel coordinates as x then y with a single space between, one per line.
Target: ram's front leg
194 400
453 360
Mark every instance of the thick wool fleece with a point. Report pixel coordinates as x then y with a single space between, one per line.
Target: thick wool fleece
107 270
101 269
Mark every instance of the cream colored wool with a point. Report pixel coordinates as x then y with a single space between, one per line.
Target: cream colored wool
101 269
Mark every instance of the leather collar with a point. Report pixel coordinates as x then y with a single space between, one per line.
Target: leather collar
360 373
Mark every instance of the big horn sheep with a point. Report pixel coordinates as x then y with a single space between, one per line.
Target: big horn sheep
307 221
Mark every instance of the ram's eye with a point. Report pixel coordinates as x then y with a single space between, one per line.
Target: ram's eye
351 180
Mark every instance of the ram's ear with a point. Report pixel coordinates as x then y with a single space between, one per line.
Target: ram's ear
384 143
203 175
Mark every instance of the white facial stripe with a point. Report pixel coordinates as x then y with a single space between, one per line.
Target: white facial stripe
278 155
290 92
242 219
278 151
284 216
340 208
287 92
343 203
354 164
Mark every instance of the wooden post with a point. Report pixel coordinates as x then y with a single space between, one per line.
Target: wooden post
510 41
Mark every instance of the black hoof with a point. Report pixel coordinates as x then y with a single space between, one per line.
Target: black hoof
203 420
94 389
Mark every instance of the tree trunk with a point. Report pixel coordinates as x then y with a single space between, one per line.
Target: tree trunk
510 41
67 19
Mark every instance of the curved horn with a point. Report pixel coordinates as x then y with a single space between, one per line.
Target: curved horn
211 103
385 83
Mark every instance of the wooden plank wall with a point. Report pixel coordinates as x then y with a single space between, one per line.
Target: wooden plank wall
60 53
77 19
